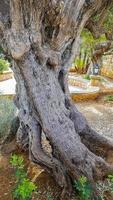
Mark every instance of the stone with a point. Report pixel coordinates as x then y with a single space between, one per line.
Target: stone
95 80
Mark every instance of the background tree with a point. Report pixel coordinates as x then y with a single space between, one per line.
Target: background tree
93 46
91 50
42 37
101 26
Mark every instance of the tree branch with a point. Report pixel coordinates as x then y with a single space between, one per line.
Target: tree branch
96 27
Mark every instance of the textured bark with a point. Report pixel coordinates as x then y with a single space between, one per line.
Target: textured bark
42 38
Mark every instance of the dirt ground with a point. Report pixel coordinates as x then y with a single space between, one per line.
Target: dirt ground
46 186
100 116
6 178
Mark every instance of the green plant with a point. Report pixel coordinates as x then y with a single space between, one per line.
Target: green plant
87 77
7 113
110 180
80 65
105 187
24 186
17 161
4 64
79 62
87 46
49 198
84 188
24 190
110 177
109 98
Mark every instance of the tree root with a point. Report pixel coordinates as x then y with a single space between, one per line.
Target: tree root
50 163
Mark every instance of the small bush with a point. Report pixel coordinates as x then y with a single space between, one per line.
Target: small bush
109 98
24 190
7 113
17 161
24 186
87 77
84 188
4 65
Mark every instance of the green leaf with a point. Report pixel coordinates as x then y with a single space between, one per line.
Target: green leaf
17 161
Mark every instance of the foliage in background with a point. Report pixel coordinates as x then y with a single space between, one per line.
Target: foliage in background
108 25
88 42
109 98
4 65
7 113
87 77
82 62
24 186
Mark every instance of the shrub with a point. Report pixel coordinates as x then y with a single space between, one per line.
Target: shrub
17 161
24 186
24 190
80 65
4 64
7 112
109 98
87 77
84 188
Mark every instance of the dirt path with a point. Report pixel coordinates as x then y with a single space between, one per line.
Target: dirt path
6 178
8 86
99 116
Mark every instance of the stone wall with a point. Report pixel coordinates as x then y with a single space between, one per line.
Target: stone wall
6 75
107 69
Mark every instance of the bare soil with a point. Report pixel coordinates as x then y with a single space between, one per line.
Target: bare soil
99 114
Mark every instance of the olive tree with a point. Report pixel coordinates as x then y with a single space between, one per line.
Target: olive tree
41 38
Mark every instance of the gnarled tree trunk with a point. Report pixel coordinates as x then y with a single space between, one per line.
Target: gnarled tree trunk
41 38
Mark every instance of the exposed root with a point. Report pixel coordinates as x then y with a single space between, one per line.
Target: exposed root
66 165
50 163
